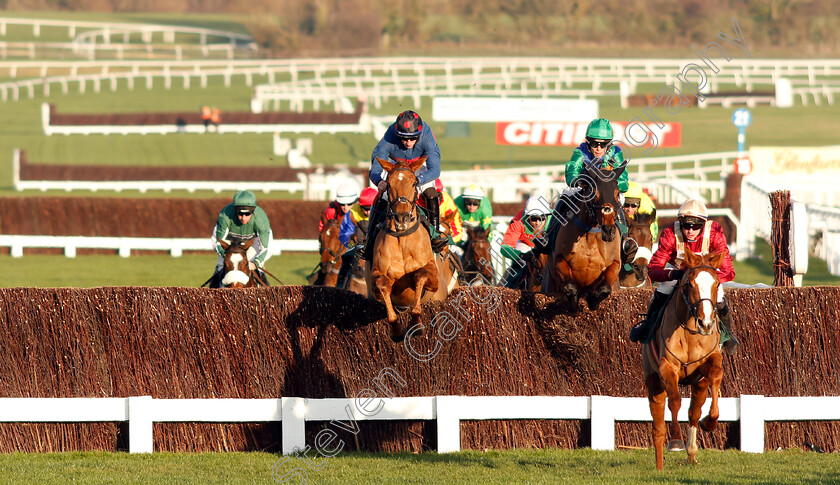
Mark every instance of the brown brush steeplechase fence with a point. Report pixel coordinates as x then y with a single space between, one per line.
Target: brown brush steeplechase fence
316 342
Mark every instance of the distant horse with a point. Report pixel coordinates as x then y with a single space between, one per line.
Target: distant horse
685 350
586 256
404 271
476 261
639 230
331 250
236 273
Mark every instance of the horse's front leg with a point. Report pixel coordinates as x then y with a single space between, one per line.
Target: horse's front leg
611 275
714 374
425 278
382 291
656 401
566 285
670 378
695 409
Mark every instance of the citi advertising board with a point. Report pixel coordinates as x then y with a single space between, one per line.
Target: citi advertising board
573 133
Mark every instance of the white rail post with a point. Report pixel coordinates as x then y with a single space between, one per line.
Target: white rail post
294 424
602 422
752 423
140 428
448 424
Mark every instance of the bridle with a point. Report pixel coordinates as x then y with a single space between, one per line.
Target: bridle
237 249
692 311
394 202
470 256
330 251
692 307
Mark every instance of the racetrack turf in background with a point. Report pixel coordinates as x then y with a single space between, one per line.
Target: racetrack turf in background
585 466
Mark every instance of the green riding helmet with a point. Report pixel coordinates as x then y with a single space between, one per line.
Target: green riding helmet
599 129
244 199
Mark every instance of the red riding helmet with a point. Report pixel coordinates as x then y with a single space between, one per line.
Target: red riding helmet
408 124
367 197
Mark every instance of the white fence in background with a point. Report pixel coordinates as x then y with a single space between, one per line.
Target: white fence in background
125 245
670 179
141 412
34 50
824 225
501 185
106 32
316 185
823 221
364 125
589 75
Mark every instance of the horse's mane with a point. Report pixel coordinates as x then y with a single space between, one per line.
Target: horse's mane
645 218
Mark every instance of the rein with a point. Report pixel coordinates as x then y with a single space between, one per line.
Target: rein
692 313
393 204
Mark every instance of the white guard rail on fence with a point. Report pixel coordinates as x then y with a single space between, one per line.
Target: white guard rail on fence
753 411
125 245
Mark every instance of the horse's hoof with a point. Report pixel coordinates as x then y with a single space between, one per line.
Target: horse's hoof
397 339
676 445
397 332
708 424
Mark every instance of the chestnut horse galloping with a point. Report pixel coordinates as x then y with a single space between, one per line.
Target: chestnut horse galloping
586 256
404 271
685 350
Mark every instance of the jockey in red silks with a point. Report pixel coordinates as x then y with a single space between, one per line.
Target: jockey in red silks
692 230
408 139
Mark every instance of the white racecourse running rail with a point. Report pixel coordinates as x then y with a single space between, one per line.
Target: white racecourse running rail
141 412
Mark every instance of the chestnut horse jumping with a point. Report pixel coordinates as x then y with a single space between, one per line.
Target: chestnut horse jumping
639 230
685 350
586 256
404 271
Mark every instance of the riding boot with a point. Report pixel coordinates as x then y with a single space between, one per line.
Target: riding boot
347 261
216 279
731 345
657 304
432 199
514 276
377 217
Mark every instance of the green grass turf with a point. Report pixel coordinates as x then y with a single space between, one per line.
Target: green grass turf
85 271
582 466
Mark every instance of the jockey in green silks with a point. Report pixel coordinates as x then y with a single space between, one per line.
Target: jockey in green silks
599 149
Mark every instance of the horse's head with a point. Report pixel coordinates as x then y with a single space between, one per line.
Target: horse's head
699 287
477 253
639 229
402 191
330 245
237 273
600 187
